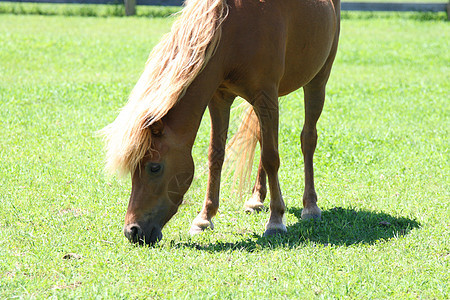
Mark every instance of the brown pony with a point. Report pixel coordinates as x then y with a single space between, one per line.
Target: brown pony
217 50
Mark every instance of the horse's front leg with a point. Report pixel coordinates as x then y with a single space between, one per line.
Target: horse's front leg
265 105
219 109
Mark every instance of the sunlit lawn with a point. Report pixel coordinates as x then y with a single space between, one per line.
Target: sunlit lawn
382 169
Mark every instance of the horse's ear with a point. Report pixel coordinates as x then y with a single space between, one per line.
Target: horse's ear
157 128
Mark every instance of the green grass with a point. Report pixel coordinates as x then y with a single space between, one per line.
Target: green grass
382 169
87 10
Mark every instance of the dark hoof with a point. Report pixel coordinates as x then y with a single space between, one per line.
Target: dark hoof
273 232
307 217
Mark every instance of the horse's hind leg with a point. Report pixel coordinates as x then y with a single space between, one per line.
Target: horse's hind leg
219 109
256 202
314 100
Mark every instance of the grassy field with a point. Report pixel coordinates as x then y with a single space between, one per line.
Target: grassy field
382 169
88 10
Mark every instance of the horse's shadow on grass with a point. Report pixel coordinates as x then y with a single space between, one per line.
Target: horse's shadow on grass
338 226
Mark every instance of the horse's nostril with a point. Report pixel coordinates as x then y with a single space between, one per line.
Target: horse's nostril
143 235
132 232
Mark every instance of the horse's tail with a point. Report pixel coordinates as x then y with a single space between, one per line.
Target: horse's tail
241 148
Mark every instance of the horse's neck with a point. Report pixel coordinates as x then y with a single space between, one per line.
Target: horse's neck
185 117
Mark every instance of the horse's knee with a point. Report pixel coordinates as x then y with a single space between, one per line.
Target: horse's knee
308 138
216 158
309 133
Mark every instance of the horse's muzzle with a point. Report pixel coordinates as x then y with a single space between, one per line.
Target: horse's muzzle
142 235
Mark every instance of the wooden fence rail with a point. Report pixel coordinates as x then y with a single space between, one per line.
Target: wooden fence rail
130 5
368 6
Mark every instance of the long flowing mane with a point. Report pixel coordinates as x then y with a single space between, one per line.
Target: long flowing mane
171 67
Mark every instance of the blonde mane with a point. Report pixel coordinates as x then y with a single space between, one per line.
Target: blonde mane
171 67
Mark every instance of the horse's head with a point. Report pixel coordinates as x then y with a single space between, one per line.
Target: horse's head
159 182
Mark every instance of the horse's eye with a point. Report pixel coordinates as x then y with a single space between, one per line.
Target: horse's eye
154 168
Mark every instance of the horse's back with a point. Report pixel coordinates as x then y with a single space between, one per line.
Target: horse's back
288 41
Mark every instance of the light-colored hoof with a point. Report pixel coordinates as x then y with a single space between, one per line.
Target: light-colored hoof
253 206
313 213
199 225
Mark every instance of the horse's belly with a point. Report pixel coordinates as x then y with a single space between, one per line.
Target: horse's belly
309 42
286 41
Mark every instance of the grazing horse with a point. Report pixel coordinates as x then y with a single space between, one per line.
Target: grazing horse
218 50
